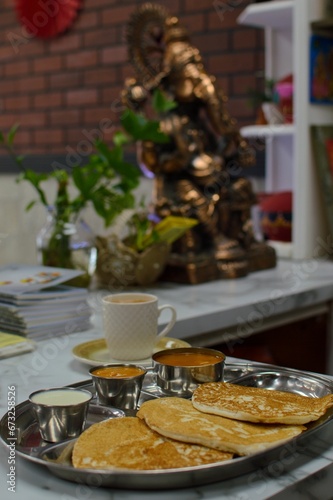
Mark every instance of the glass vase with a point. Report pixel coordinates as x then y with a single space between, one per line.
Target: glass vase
69 243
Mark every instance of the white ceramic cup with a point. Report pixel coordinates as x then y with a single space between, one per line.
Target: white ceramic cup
130 322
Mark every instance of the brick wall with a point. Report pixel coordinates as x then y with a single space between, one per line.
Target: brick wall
57 89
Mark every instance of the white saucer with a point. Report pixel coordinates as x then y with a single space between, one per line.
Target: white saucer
95 352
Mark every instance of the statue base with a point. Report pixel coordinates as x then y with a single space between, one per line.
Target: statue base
193 270
202 268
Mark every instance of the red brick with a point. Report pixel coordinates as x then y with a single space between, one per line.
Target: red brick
232 63
82 96
29 84
48 100
74 136
173 6
211 42
198 4
239 107
260 60
65 116
53 136
99 37
65 80
98 76
86 20
7 18
33 47
6 52
81 140
56 149
48 64
193 23
82 59
92 116
33 83
244 39
113 55
7 120
23 138
111 96
32 119
7 4
17 103
126 71
73 100
65 43
16 68
117 15
224 84
93 4
223 15
242 84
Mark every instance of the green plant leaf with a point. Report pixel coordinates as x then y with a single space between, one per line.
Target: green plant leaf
12 133
30 205
127 171
151 132
133 123
120 139
85 181
161 103
35 179
109 155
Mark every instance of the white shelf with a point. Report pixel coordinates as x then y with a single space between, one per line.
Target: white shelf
289 157
274 14
268 130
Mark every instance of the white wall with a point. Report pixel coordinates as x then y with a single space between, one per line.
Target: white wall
18 228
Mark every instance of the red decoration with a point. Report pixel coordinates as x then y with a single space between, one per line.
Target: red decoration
276 216
47 18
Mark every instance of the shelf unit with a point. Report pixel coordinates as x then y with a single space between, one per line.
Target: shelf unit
289 160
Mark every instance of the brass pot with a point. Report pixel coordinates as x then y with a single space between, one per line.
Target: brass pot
120 265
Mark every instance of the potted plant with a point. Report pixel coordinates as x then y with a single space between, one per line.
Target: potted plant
107 183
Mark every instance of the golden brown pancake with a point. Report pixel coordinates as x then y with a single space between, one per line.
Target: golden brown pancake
128 443
176 418
253 404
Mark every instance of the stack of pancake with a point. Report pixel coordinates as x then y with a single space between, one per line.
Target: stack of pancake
221 421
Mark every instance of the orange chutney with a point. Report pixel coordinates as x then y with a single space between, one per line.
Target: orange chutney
118 371
188 359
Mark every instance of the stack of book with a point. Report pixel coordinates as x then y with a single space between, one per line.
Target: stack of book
36 302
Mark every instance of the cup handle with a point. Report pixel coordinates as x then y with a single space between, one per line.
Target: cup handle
171 322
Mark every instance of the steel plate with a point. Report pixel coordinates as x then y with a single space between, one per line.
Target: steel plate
57 457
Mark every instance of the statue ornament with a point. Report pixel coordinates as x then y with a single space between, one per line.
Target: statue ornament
197 173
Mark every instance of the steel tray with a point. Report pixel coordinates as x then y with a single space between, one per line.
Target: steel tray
57 457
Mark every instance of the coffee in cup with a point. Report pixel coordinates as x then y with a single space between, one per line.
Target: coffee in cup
130 322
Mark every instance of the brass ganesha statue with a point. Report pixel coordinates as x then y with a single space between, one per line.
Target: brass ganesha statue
198 172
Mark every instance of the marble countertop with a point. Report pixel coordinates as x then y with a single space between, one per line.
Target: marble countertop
304 474
291 286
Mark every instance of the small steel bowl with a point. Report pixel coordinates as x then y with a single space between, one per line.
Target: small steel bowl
61 412
176 377
118 391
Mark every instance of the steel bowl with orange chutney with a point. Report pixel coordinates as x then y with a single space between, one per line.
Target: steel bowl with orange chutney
117 371
180 371
190 358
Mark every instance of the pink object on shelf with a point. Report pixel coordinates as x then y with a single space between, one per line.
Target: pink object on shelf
284 89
